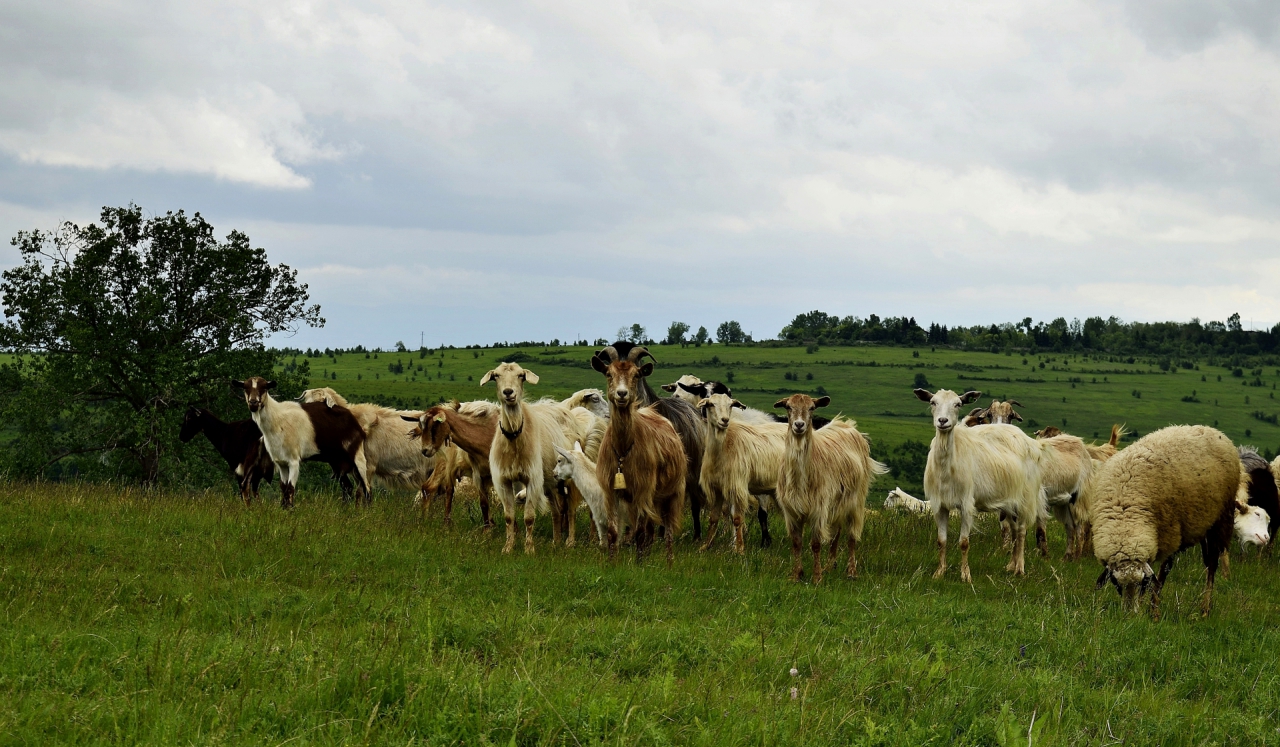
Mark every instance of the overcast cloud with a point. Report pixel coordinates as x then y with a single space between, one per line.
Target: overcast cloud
502 171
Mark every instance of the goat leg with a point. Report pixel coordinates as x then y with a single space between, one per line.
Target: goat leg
851 570
763 517
739 540
815 545
797 565
1042 540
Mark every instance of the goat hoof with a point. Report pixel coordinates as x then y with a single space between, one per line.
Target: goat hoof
965 577
939 573
529 550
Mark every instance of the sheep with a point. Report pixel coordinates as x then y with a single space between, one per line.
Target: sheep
577 468
523 451
293 432
240 444
391 458
682 416
470 426
992 468
900 500
741 459
1172 489
823 482
643 462
1262 490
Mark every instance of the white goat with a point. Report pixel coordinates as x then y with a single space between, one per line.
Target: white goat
391 457
899 499
523 451
591 399
987 468
740 459
577 468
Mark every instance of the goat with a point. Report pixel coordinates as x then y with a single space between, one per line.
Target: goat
295 432
901 500
823 482
741 459
992 468
590 399
240 444
577 468
390 458
471 428
681 414
523 451
643 463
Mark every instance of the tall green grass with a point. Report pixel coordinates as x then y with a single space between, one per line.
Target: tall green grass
162 618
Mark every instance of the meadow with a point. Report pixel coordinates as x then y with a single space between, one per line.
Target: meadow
168 617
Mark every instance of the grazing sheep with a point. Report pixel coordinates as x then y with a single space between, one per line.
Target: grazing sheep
643 460
898 499
238 442
577 468
1172 489
391 458
823 482
523 451
295 432
1262 490
741 459
991 468
470 426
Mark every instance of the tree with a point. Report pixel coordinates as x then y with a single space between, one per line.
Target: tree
119 327
701 337
730 332
676 333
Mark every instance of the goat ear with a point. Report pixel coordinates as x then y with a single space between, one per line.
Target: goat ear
968 397
669 387
530 377
269 386
703 404
330 401
599 365
577 446
415 434
1242 508
237 384
646 369
1014 415
780 403
923 395
738 405
822 402
486 378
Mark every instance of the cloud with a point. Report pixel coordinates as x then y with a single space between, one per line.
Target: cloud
700 160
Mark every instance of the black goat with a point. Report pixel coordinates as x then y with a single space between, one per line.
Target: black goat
240 444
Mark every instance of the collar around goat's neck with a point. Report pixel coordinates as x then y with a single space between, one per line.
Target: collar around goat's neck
509 414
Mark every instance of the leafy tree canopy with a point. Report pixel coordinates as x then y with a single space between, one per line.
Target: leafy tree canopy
120 326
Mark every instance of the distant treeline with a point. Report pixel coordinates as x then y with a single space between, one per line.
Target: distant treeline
1170 340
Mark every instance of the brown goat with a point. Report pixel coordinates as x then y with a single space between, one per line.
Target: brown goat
473 434
642 463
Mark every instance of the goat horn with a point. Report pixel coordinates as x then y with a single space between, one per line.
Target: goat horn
638 352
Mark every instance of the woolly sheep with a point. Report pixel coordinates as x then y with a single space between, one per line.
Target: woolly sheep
1172 489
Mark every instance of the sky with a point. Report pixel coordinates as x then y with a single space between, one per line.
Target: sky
457 172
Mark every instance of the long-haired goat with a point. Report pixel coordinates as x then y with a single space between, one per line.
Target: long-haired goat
469 426
391 458
238 442
523 452
823 482
991 468
742 459
642 464
295 432
682 415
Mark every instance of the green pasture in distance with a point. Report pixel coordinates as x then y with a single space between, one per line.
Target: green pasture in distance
1081 394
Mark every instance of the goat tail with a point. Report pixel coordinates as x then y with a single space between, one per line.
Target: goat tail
876 468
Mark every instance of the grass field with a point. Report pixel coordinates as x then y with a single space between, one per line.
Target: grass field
137 618
184 618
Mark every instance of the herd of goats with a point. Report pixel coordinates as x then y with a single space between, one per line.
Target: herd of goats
635 458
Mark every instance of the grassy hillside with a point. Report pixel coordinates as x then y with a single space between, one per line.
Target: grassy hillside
133 618
1083 395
